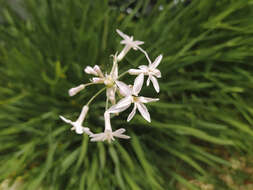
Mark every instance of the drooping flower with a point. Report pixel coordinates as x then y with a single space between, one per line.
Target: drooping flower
151 71
131 96
129 43
77 125
108 134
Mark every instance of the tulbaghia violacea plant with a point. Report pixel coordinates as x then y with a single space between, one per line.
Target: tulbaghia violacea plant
128 94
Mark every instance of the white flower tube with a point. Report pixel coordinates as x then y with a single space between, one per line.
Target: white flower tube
77 125
75 90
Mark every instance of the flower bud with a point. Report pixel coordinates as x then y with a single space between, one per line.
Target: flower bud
75 90
90 70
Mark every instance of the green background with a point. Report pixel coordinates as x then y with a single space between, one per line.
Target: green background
204 116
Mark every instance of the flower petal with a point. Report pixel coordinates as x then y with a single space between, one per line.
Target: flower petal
135 71
138 82
110 93
144 111
82 115
155 83
97 137
97 69
114 71
137 42
122 105
156 62
97 80
124 51
131 115
87 131
157 73
79 129
90 70
118 133
66 120
125 90
143 67
147 100
148 81
122 136
107 118
122 34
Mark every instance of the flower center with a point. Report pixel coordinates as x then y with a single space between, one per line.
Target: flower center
109 82
135 98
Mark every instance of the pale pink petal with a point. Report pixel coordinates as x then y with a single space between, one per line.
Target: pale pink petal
82 115
118 133
122 105
66 120
148 81
110 93
147 100
114 71
87 131
155 83
90 70
138 42
135 71
138 82
97 69
124 52
107 118
156 62
122 136
144 111
144 68
97 80
122 34
79 129
125 90
131 115
157 73
97 137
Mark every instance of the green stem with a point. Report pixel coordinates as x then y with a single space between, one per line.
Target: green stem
122 74
93 97
106 104
88 84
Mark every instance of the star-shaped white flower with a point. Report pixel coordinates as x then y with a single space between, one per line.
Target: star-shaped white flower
107 80
129 43
131 96
151 71
77 125
108 134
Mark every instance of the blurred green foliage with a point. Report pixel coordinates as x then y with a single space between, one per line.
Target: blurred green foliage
205 110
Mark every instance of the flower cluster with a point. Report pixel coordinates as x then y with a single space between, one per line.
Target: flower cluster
128 94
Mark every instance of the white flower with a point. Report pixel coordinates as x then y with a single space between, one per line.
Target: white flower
108 134
129 43
75 90
108 80
131 96
151 71
77 125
